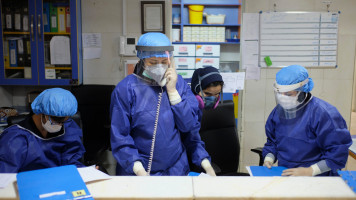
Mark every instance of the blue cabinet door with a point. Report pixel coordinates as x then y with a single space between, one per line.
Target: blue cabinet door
18 60
60 51
26 37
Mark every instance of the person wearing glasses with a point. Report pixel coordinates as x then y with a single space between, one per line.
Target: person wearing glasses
46 138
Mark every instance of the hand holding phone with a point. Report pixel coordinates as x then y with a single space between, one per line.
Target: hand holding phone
171 77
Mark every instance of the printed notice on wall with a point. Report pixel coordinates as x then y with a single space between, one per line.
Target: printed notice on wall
91 45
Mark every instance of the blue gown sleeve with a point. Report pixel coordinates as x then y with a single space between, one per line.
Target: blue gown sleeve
271 144
13 150
333 138
74 149
185 112
122 144
186 117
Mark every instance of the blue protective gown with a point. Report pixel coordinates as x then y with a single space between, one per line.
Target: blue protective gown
22 150
317 133
133 111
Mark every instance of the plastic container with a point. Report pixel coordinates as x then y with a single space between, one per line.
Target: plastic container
215 19
196 14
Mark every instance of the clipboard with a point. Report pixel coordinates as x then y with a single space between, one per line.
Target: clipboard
54 183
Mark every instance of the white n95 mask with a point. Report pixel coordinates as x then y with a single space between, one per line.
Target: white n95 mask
156 73
287 102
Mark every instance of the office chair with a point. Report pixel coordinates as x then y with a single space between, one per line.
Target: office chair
218 131
94 107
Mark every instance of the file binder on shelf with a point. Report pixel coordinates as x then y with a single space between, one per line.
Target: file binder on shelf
6 54
46 18
13 53
20 53
61 19
350 178
67 19
62 182
54 20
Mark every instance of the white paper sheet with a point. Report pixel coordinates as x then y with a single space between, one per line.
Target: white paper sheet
91 174
233 81
91 45
250 54
251 26
6 179
60 50
253 73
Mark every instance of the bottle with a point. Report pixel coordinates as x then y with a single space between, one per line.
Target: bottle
176 19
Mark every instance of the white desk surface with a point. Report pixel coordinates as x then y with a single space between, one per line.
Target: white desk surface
125 187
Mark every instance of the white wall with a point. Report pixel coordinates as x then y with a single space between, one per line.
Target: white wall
332 85
105 17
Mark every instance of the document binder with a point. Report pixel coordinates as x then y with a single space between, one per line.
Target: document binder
27 44
350 178
25 24
61 19
264 171
54 183
13 53
6 54
46 16
54 21
20 53
67 19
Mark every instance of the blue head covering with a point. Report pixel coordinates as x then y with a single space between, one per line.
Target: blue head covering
55 102
294 74
207 76
153 39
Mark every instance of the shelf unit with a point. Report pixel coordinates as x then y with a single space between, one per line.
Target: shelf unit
25 26
231 8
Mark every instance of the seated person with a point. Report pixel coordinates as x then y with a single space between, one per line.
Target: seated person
46 138
206 85
304 133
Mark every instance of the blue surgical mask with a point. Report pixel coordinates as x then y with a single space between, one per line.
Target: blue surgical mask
209 102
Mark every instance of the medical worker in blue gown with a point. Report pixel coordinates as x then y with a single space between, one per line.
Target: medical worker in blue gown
150 110
207 85
46 138
304 133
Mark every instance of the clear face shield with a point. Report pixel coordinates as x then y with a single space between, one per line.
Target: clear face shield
154 63
290 99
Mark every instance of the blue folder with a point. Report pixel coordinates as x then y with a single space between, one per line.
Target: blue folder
46 18
264 171
54 183
349 177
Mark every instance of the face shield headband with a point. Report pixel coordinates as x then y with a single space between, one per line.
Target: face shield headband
154 51
287 88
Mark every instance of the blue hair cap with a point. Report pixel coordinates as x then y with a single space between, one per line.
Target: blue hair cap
55 102
294 74
153 39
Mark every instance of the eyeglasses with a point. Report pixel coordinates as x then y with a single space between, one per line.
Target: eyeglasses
57 122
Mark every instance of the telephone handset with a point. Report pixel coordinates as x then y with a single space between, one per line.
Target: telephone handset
163 82
155 130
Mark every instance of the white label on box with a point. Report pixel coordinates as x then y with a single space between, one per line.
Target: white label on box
208 60
183 49
208 48
50 74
